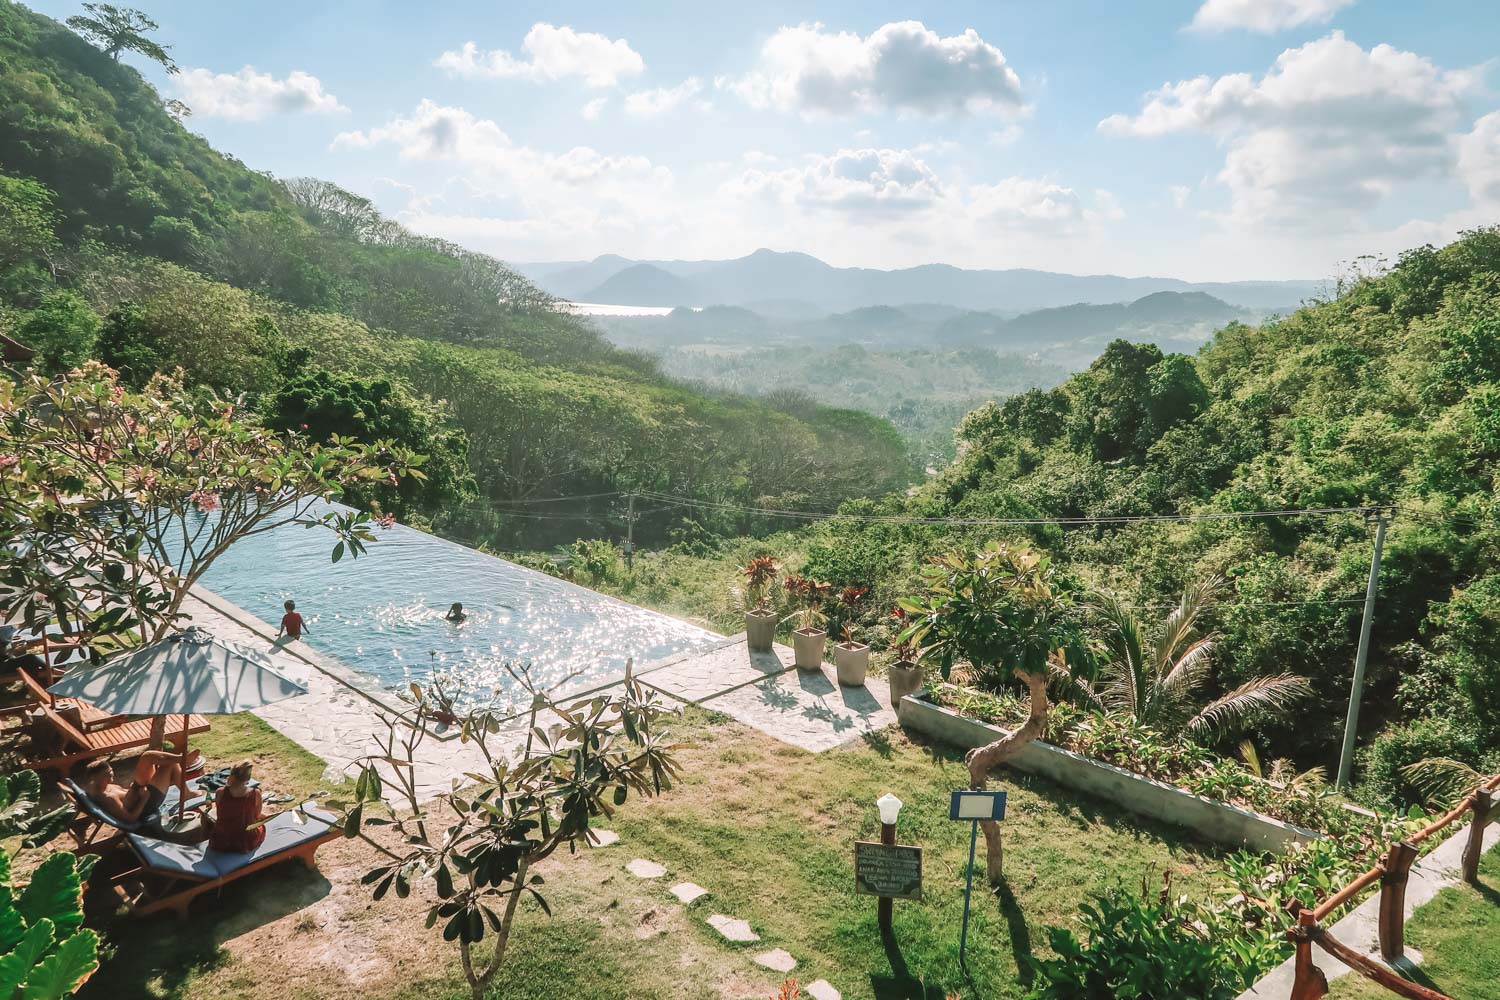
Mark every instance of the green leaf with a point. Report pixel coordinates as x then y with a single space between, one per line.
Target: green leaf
17 964
69 967
338 552
55 893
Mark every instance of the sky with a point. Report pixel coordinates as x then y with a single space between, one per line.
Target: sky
1200 139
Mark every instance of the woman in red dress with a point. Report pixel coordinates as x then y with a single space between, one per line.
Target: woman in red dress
236 807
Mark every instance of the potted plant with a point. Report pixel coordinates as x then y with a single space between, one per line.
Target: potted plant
760 617
808 638
905 672
851 656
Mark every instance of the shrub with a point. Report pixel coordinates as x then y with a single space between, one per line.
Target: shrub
1143 950
1381 763
62 330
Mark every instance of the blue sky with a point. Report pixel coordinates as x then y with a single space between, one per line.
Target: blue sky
1204 139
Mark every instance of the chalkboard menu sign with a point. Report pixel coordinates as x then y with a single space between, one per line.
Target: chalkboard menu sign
893 870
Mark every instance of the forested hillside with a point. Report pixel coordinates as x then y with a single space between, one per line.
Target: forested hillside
127 237
1388 394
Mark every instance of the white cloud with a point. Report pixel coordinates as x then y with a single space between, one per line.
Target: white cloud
1479 160
1179 193
878 181
249 96
902 67
436 132
593 109
551 53
1040 207
1324 135
1264 16
660 100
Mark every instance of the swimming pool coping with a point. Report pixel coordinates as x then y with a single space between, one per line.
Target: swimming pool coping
383 698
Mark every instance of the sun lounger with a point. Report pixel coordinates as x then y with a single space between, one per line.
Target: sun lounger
94 830
80 745
93 718
172 875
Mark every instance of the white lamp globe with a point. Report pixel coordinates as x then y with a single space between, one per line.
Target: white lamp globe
890 808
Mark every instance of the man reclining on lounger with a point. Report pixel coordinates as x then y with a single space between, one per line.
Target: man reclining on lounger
155 772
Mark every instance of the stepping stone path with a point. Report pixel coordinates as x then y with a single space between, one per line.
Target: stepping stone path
776 960
821 990
641 868
732 929
604 838
686 892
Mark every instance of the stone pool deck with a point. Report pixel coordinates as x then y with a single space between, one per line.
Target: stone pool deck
339 716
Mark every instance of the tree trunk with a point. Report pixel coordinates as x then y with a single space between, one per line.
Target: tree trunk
982 760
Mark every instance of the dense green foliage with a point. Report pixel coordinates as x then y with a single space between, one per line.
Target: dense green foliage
189 259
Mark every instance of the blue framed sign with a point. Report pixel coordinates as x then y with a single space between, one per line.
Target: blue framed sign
973 807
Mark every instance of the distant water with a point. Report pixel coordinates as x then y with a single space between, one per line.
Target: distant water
605 309
383 613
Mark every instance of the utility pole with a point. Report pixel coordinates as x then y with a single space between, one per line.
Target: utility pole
630 533
1382 517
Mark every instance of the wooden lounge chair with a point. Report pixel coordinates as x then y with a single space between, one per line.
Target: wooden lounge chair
95 831
93 718
80 745
171 875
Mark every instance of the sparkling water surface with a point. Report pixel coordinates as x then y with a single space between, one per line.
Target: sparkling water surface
383 613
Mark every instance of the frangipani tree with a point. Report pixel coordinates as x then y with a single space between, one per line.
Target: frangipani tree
479 845
1004 611
114 503
1156 676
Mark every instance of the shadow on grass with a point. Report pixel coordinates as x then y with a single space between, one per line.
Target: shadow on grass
880 742
169 954
1020 933
900 984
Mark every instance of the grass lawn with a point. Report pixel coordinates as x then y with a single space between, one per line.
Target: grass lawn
767 829
1458 934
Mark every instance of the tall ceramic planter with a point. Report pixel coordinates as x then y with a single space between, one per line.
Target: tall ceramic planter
853 661
906 678
808 645
760 629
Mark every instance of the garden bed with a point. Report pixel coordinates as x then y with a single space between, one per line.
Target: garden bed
1219 822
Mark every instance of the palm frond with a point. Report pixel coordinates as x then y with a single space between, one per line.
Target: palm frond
1251 758
1127 677
1072 686
1246 702
1181 626
1189 671
1441 781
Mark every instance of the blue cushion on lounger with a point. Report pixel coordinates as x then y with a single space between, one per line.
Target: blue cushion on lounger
177 859
148 822
283 833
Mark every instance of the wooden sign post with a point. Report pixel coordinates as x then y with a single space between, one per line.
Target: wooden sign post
974 807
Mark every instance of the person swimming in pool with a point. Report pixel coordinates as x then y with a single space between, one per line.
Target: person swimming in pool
456 613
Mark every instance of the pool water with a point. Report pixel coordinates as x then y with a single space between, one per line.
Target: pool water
383 613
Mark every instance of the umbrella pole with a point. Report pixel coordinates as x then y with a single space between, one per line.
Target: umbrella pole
182 771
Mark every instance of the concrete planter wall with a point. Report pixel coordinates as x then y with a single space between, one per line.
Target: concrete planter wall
1215 821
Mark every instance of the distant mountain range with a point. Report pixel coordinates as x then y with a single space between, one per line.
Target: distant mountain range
796 285
1066 335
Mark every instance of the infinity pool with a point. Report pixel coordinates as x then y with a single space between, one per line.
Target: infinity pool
383 613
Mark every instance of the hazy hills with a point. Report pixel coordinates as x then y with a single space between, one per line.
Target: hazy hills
800 283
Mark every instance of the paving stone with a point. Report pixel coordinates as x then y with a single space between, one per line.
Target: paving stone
603 838
822 990
687 892
732 929
777 960
641 868
807 708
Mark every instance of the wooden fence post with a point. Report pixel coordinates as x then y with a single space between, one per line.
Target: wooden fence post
1485 802
1398 862
1308 981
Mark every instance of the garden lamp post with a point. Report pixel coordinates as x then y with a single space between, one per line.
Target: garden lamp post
889 807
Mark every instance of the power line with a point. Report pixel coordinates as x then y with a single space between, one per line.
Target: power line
1000 521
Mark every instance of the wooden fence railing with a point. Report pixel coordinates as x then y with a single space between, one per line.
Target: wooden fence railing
1392 873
